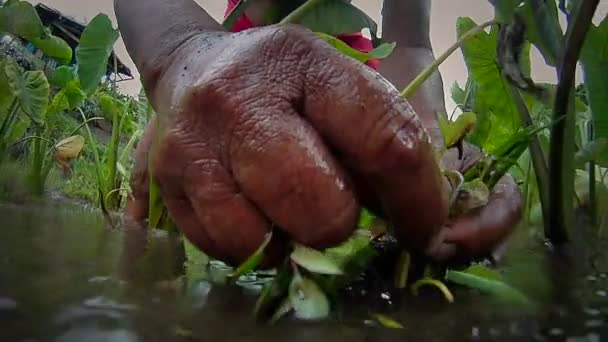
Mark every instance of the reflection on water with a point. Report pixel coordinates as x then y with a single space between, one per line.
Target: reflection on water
65 277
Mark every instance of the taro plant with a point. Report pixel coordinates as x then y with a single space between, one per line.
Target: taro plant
534 131
42 100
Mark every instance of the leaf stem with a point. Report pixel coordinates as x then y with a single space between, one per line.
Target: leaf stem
539 161
561 211
428 71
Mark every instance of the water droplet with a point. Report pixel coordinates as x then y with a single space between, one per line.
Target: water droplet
603 275
601 293
556 331
591 278
385 295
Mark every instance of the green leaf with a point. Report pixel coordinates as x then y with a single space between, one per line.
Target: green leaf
596 151
62 75
254 260
365 219
307 299
493 101
6 92
380 52
455 131
32 91
504 9
426 281
68 98
54 47
543 28
386 321
457 93
21 19
321 17
94 50
483 272
487 285
594 58
314 260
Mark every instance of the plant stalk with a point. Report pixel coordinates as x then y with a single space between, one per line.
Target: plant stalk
428 71
9 119
561 210
592 190
537 156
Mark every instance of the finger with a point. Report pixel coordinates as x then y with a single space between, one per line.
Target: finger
288 172
185 219
361 115
137 202
483 230
234 224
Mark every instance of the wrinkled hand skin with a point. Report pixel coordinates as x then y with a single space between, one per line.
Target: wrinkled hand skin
272 127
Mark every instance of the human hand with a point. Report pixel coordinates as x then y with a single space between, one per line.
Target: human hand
272 127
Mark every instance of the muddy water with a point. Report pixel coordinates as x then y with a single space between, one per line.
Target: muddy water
64 276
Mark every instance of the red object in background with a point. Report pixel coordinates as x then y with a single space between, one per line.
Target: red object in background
354 40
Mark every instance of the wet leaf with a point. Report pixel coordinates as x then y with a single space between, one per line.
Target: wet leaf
426 281
254 260
307 299
386 321
314 261
487 285
381 52
69 147
94 50
31 89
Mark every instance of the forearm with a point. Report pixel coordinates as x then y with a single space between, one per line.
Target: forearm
152 29
407 22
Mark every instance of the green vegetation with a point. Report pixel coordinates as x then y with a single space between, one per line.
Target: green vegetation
553 138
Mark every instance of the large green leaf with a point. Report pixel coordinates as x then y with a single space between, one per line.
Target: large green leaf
543 28
6 92
62 75
93 51
595 68
54 47
494 105
505 9
32 91
21 19
487 282
323 17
